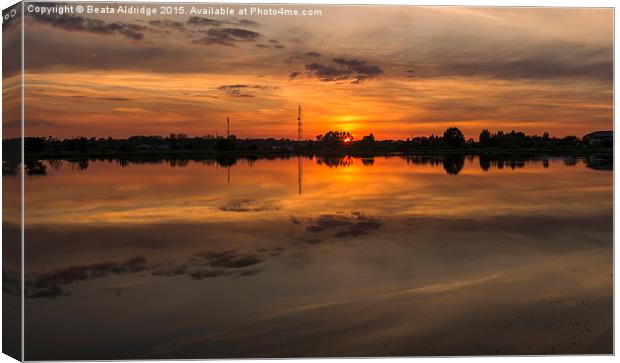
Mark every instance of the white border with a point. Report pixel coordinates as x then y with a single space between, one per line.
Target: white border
516 3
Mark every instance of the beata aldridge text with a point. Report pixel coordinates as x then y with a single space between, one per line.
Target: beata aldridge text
121 9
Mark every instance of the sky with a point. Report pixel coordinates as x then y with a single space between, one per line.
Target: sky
393 71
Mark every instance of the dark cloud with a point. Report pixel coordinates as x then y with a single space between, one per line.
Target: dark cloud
293 75
226 36
96 26
176 25
273 44
290 60
236 33
51 52
348 62
345 69
276 44
197 20
240 90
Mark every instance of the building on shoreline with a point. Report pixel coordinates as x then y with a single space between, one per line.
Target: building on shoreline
600 138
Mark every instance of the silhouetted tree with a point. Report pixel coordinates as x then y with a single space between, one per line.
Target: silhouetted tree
369 138
334 139
34 144
485 138
453 137
225 144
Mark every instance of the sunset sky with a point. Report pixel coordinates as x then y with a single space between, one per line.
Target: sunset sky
394 71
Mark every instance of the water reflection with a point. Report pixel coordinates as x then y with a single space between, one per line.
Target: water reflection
171 259
452 163
335 161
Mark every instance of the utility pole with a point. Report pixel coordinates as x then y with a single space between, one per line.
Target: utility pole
227 127
299 124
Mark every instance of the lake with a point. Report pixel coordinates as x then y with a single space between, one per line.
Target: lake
318 257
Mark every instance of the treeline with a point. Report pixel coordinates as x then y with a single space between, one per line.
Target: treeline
332 141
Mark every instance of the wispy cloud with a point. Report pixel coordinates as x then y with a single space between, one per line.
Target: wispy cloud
226 36
96 26
351 69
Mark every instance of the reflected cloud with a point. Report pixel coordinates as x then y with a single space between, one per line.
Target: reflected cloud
202 265
213 264
354 224
246 205
50 284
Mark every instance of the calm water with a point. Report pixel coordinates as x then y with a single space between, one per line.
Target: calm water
306 257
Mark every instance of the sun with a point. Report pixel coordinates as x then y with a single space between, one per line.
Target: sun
348 139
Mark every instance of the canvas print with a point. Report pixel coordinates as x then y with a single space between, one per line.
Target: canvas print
211 180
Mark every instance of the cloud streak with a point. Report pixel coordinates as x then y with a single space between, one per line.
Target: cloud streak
226 36
344 69
200 21
238 90
95 26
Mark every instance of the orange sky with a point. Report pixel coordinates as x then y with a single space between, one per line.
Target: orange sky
394 71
